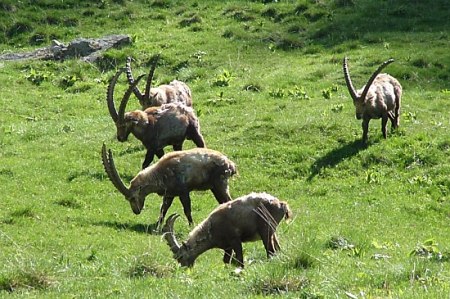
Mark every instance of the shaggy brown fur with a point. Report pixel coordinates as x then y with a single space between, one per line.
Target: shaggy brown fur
155 127
176 174
174 92
245 219
379 98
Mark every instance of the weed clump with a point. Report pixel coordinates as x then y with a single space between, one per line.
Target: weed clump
25 280
195 19
303 261
18 28
143 267
279 285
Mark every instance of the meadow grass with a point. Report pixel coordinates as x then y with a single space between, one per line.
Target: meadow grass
370 221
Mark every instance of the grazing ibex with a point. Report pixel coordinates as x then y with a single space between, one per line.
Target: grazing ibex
380 97
175 174
248 218
174 92
155 127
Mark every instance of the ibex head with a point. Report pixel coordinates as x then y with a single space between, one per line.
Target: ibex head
123 126
357 96
134 195
180 252
144 99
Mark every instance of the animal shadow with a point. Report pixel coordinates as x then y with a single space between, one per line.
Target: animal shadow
140 228
336 156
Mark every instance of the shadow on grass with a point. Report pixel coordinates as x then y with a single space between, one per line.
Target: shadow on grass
140 228
336 156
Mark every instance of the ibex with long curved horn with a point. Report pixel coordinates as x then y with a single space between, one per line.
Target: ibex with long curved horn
247 218
175 174
174 92
155 127
379 98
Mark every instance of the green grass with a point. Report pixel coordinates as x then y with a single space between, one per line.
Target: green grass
370 221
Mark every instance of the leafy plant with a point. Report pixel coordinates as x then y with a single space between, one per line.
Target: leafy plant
430 249
68 81
298 92
278 93
37 77
337 108
223 79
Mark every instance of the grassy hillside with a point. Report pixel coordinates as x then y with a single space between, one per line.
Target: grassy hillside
370 221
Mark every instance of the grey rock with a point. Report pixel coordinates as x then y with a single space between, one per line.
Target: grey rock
87 49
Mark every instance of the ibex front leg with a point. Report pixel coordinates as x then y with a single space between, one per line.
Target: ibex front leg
365 127
384 120
167 202
186 202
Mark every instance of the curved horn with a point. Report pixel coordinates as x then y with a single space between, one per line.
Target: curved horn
110 96
110 168
169 235
350 87
125 99
150 78
372 78
130 78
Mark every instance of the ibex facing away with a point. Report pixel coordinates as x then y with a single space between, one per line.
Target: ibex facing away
247 218
379 98
175 174
155 127
174 92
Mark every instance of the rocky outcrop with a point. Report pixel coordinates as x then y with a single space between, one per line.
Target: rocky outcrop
86 49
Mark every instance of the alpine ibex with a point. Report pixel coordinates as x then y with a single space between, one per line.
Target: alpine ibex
175 174
247 218
155 127
380 97
174 92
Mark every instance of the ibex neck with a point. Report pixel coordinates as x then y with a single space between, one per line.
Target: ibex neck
200 240
147 181
197 247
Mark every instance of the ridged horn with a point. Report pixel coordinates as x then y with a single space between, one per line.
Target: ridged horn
110 168
372 78
148 85
126 97
110 96
130 78
169 234
348 80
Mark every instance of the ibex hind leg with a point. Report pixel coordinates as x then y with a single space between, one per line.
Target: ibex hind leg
221 193
393 120
194 134
398 102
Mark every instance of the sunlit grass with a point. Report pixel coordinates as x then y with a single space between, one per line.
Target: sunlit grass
370 221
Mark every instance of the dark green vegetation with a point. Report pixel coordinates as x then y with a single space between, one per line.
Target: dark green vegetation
269 91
